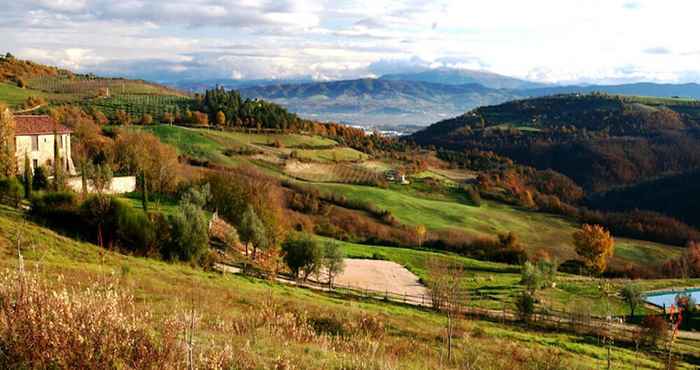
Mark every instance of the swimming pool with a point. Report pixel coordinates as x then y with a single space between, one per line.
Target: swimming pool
666 299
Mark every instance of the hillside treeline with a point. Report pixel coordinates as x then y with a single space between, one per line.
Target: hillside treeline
19 71
599 141
549 191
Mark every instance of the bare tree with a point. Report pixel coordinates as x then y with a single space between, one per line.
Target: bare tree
445 283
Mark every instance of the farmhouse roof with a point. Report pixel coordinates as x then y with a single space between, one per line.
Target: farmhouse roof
38 125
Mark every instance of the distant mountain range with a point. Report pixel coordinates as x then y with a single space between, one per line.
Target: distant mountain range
416 98
449 76
379 101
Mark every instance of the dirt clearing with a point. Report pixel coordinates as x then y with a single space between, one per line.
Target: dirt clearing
382 276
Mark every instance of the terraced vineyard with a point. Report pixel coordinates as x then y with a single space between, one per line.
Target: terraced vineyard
339 173
138 105
84 86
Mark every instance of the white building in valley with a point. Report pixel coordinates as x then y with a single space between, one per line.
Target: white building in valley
34 137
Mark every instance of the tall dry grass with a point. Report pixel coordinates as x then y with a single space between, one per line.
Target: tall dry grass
97 328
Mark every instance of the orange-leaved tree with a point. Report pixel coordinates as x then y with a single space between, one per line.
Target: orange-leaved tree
595 245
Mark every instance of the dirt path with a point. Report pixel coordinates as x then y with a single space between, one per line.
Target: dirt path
382 276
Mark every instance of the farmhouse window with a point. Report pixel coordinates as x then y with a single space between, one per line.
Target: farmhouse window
35 164
35 143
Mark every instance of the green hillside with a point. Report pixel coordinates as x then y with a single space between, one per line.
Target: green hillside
222 302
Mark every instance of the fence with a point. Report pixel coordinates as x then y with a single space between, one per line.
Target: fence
578 322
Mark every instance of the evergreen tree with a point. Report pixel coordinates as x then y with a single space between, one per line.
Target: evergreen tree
27 177
40 180
57 168
144 192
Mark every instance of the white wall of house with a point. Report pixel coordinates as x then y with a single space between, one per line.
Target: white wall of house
39 148
119 185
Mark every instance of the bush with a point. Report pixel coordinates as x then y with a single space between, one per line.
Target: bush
11 191
113 222
654 329
189 234
40 180
525 304
58 209
328 325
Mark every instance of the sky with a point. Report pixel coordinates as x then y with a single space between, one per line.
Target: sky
554 41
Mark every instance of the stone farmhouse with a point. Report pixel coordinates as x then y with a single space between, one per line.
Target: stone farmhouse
34 136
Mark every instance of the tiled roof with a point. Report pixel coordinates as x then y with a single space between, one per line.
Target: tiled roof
38 125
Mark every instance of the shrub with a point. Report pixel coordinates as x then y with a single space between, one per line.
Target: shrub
11 191
189 233
525 304
328 325
58 209
40 180
654 329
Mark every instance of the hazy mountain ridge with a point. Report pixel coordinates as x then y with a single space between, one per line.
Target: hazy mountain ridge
448 76
425 97
379 101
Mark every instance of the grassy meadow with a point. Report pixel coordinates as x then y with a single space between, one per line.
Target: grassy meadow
229 306
536 230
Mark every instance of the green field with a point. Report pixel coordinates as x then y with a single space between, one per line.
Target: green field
210 145
166 289
14 96
536 230
494 285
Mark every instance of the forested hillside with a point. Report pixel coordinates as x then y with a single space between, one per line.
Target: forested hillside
600 141
676 195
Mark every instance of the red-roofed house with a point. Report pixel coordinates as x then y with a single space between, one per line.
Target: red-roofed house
34 136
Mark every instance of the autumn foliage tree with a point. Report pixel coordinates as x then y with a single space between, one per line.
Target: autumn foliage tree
8 162
595 245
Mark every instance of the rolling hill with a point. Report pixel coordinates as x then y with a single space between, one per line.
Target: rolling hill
600 141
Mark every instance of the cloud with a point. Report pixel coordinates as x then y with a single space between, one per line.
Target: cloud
659 50
200 39
632 5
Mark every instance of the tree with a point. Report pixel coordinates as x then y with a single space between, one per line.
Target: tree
27 178
445 282
100 118
302 255
57 166
189 232
531 277
595 245
122 117
40 180
421 233
146 119
8 162
168 118
333 261
220 119
252 231
99 176
141 153
525 305
632 295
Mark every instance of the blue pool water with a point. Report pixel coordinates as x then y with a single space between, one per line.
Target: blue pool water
667 299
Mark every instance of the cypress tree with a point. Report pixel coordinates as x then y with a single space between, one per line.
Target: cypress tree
144 192
28 180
